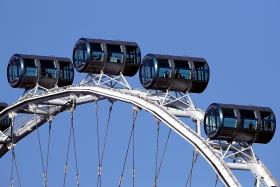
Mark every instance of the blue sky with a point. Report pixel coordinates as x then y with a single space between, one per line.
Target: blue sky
239 39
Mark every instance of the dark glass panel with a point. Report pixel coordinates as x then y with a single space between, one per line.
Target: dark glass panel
164 68
115 55
201 71
248 118
182 70
14 71
133 55
268 122
148 71
66 72
97 53
48 69
229 117
212 121
30 67
80 54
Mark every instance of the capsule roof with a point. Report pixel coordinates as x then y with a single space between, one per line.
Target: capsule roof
116 42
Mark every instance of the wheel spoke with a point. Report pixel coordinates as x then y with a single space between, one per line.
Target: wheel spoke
128 147
194 159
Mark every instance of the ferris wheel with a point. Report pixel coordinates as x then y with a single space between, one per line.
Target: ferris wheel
230 129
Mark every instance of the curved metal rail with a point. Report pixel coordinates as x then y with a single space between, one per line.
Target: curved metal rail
59 99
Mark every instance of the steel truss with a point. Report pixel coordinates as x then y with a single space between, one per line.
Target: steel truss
164 106
102 79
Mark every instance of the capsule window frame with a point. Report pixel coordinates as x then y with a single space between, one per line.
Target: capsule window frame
153 66
229 118
181 76
248 122
27 67
216 111
200 75
20 72
85 51
69 71
49 72
103 52
136 56
264 128
169 69
109 54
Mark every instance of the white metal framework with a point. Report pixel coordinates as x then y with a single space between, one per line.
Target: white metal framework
222 157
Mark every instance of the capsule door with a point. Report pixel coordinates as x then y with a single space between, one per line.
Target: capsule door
114 58
132 60
247 124
230 123
163 74
182 71
66 72
48 72
30 76
96 56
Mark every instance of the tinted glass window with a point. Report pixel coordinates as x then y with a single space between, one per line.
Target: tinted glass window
248 119
97 53
80 54
133 55
147 71
182 69
212 121
48 69
201 71
66 71
14 71
268 121
164 68
30 67
115 55
229 117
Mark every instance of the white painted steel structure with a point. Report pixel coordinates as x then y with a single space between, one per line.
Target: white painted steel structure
165 107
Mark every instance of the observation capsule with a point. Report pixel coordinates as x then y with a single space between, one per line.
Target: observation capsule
174 73
249 124
107 56
5 123
26 71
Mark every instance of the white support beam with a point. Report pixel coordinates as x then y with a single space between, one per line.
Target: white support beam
238 166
